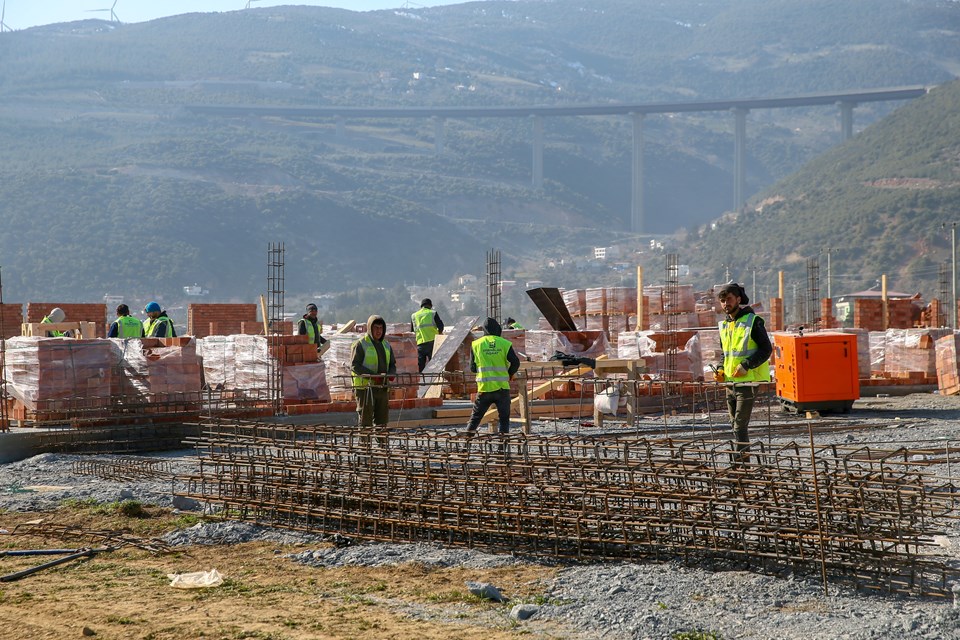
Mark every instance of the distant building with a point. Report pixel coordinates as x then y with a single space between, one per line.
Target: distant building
606 253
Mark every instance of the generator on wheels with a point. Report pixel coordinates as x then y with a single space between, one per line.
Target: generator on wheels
816 371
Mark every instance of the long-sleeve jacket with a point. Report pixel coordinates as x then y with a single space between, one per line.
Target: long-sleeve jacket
759 335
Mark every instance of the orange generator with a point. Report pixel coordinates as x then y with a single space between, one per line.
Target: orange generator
817 371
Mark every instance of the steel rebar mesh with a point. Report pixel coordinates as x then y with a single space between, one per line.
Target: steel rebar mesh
868 514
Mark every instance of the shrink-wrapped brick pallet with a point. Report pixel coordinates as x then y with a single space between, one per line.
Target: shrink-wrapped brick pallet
907 350
541 345
576 301
688 362
154 370
58 374
948 368
244 364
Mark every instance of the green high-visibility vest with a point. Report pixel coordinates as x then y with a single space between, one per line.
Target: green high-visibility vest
738 345
311 335
490 357
166 331
129 327
370 360
55 334
424 325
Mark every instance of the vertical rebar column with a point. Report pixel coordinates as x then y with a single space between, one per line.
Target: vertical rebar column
671 305
274 321
493 285
941 318
813 294
4 418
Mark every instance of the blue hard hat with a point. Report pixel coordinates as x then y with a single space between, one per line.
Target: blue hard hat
151 307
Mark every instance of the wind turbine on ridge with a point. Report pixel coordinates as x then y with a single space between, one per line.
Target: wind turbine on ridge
113 15
3 14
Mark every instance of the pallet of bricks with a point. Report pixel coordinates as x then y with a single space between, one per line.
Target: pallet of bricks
948 363
608 309
241 367
156 375
540 346
652 347
58 380
904 356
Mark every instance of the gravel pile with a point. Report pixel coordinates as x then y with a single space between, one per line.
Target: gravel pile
610 601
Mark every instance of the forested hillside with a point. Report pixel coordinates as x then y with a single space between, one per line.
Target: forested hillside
109 184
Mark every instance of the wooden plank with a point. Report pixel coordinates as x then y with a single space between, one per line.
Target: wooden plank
435 390
39 329
344 329
442 355
550 303
263 312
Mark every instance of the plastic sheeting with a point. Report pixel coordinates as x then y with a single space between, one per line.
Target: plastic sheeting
42 369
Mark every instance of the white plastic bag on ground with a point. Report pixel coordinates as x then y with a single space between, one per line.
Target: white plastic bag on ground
196 580
607 401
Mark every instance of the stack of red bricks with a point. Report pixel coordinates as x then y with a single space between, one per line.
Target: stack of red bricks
95 312
222 319
948 367
156 370
902 313
827 321
52 375
906 354
11 317
652 347
776 315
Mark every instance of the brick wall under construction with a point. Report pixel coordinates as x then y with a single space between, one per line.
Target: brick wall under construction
221 319
11 317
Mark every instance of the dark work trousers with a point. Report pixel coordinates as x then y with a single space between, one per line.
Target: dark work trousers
424 354
501 398
373 406
740 399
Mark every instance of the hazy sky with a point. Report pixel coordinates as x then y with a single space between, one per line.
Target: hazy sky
20 14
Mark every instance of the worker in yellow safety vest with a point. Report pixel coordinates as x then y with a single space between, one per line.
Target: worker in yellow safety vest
55 316
125 326
426 325
746 353
374 366
495 362
309 326
158 324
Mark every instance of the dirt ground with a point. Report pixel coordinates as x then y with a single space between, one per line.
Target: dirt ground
125 594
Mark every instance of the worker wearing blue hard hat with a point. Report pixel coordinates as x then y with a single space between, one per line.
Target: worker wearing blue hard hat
157 324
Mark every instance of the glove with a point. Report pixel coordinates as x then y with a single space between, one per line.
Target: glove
718 376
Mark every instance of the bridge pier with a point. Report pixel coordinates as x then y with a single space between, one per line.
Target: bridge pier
637 214
846 119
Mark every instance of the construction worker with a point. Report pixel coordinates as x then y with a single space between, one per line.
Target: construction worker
373 365
158 324
309 326
746 351
512 324
55 316
426 324
494 361
125 326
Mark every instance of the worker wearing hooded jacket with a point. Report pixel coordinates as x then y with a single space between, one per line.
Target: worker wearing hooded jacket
495 362
158 323
425 324
56 316
373 365
746 351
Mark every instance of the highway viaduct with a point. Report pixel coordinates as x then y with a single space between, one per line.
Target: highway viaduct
847 101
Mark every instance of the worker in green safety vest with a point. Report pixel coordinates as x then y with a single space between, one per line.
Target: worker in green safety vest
55 316
309 326
125 326
158 324
510 323
426 325
374 366
746 353
495 362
